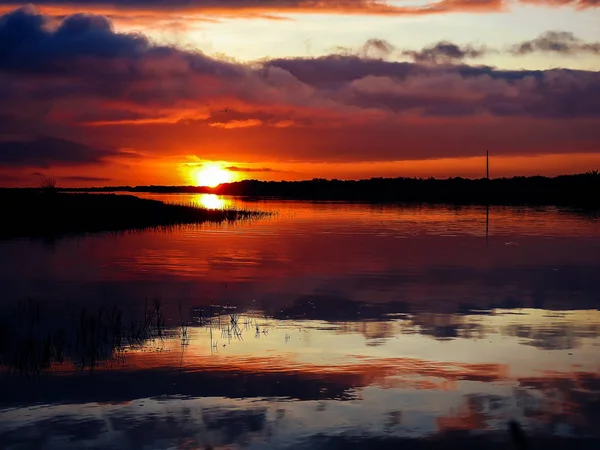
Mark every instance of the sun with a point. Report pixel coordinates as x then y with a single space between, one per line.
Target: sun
212 176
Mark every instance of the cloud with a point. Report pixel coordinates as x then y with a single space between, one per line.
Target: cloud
446 91
177 11
577 4
85 179
78 71
87 45
267 9
445 52
31 44
237 168
76 178
237 124
128 78
250 169
377 48
48 151
561 42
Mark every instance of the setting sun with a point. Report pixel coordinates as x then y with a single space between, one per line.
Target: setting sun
212 176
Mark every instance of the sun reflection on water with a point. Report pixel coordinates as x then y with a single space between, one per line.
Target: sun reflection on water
212 201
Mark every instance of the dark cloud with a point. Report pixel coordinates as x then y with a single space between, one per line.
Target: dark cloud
85 61
32 45
79 71
562 42
452 90
85 179
48 151
132 80
237 168
378 48
250 169
445 52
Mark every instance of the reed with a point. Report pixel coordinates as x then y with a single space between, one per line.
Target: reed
35 340
38 214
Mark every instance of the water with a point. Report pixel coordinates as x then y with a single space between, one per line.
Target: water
355 326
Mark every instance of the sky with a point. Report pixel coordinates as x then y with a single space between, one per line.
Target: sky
139 92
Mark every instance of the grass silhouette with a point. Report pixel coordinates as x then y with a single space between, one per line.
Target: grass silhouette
45 212
33 340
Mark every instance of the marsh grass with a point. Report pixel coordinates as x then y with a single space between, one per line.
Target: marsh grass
183 327
32 341
35 340
49 184
30 213
228 321
27 346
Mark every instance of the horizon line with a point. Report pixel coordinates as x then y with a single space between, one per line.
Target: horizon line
347 180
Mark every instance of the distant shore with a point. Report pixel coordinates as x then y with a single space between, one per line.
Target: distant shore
582 190
47 213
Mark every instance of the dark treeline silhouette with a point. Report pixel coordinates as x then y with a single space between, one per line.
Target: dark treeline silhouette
582 190
45 212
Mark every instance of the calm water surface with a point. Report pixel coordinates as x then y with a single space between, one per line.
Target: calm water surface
349 326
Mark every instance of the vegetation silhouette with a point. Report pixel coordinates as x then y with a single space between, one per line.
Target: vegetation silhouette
580 190
47 213
34 340
49 185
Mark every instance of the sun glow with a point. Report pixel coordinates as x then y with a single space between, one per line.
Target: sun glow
211 201
212 176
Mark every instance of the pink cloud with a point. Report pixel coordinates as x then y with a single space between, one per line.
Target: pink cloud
79 72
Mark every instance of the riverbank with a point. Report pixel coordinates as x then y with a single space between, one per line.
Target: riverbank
46 213
579 190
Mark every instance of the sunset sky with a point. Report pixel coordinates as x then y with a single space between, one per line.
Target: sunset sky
111 92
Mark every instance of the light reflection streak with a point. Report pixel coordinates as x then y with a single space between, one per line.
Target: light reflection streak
211 201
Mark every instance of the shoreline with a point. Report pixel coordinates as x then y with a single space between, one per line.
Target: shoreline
39 213
582 190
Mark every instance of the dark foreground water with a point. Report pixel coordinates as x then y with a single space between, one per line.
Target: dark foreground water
326 326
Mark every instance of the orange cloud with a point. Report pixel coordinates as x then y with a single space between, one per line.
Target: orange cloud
177 13
285 124
264 9
237 124
167 102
